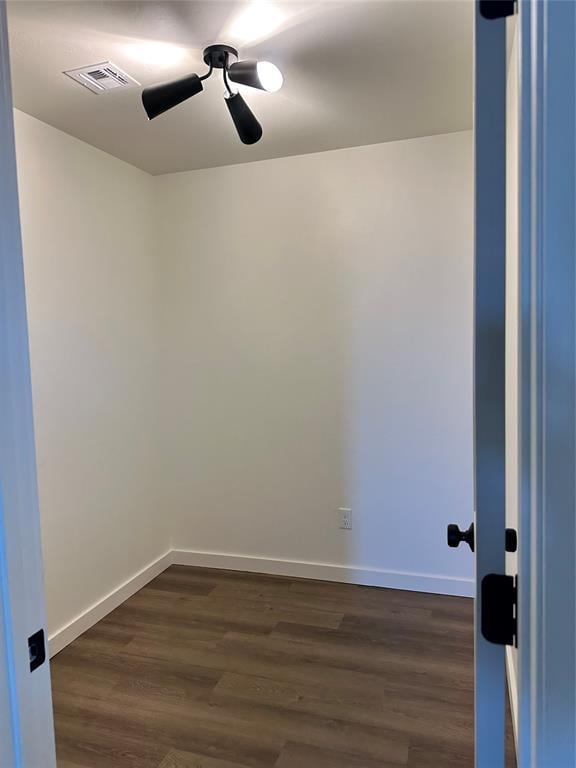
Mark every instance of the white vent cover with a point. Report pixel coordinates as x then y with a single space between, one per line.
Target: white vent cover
101 77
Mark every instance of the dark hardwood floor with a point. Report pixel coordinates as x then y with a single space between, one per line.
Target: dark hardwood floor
216 669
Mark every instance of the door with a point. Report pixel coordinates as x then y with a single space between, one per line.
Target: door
541 189
487 537
489 370
26 728
541 121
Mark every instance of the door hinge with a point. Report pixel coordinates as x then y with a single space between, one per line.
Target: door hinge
499 608
37 649
497 9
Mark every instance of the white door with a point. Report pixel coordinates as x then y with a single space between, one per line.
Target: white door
494 605
489 382
26 728
494 618
542 180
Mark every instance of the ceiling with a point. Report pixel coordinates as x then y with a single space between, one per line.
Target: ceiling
356 72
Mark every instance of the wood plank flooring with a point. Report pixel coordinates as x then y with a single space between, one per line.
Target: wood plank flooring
217 669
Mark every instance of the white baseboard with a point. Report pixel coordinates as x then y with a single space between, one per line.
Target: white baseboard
371 577
513 691
66 634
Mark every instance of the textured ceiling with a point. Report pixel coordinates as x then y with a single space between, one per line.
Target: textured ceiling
356 72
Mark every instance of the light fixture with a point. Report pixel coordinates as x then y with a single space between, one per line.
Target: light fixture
256 74
160 98
248 127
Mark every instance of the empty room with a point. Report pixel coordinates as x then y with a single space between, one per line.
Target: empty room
248 236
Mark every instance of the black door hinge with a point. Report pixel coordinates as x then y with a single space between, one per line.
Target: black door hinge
497 9
37 649
499 608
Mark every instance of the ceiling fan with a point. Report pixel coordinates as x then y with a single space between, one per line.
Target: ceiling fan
256 74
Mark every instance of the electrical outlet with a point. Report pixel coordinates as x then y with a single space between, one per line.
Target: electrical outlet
345 516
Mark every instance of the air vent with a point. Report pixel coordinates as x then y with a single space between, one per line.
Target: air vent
99 78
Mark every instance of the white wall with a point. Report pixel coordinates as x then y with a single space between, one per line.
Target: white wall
87 222
222 358
318 353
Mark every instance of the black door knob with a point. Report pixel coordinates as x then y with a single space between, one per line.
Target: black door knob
456 536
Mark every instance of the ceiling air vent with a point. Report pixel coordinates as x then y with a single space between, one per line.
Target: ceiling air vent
101 77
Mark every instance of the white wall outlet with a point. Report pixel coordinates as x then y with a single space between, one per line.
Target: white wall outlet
345 517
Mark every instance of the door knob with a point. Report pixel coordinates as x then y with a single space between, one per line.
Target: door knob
456 536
